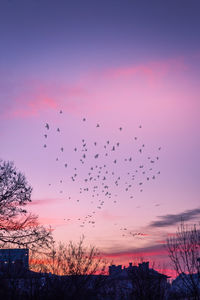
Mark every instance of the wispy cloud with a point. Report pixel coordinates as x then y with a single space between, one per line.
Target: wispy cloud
31 97
45 201
152 70
153 250
172 219
94 90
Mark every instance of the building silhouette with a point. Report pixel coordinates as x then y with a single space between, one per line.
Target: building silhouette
14 261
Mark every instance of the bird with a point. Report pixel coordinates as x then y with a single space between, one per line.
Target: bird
98 125
47 126
120 128
61 112
65 165
96 156
62 149
45 135
84 119
58 129
45 145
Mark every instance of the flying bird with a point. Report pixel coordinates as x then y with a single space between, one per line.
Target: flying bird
47 126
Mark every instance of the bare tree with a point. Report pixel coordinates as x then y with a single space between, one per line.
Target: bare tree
81 271
184 253
18 227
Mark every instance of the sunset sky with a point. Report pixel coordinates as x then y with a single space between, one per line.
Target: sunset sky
128 64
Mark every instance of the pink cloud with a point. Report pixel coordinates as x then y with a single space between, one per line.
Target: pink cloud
150 69
33 107
140 252
30 98
43 201
95 91
51 221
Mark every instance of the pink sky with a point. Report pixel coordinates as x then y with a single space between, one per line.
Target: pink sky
152 95
114 80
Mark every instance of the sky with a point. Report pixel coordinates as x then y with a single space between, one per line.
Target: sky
104 72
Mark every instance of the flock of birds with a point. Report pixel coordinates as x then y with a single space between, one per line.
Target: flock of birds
104 174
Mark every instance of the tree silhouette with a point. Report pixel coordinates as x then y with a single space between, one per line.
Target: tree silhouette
18 227
72 267
184 253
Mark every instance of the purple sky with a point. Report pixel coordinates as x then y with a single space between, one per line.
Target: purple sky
118 64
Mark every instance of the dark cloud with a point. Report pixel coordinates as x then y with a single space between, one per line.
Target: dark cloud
169 220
